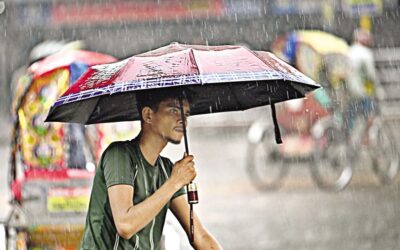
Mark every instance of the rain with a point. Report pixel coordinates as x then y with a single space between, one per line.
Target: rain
332 183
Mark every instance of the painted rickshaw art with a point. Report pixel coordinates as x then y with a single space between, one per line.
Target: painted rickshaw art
52 164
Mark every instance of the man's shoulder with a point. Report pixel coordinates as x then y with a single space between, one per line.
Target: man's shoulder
119 145
121 150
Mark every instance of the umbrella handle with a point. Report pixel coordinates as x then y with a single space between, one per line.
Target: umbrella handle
191 187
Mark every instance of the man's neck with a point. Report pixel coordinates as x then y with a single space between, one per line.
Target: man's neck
151 147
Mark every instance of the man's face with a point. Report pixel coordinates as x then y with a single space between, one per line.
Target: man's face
167 120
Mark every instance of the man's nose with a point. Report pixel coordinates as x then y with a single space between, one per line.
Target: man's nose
180 121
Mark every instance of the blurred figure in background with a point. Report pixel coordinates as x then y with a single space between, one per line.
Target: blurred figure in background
362 82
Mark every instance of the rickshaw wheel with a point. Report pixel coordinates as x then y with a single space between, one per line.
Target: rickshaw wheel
264 166
331 169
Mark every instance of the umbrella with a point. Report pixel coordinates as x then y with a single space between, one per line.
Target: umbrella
222 78
219 78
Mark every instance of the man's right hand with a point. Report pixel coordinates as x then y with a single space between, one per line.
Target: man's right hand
183 171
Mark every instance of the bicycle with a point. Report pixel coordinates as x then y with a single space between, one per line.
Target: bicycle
371 141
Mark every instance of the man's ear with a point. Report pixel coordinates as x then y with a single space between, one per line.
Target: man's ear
147 114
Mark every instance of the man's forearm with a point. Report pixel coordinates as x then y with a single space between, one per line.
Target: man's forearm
206 242
139 215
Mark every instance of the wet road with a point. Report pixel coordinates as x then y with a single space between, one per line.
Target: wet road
297 216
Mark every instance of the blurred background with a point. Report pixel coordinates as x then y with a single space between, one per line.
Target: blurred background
296 209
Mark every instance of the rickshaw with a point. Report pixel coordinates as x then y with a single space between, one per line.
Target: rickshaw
52 164
333 150
321 56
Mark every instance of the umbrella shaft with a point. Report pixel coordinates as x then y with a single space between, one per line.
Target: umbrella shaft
191 187
191 225
184 125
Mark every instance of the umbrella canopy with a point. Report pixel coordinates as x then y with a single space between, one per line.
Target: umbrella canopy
220 78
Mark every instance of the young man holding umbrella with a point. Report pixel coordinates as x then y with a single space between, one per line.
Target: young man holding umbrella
134 186
102 94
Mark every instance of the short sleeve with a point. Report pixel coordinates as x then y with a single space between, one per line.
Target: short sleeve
118 166
180 191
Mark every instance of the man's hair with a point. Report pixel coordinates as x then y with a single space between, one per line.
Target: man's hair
153 98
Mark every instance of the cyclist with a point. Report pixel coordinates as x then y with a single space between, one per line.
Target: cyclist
362 83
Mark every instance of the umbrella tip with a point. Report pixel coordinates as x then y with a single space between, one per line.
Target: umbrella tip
278 137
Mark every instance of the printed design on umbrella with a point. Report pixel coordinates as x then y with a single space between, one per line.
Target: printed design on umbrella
170 82
101 72
174 64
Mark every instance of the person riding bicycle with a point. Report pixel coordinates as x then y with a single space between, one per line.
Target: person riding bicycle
362 82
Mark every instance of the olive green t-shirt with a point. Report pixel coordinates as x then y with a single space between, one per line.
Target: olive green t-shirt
123 163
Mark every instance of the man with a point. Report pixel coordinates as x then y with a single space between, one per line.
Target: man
134 186
362 81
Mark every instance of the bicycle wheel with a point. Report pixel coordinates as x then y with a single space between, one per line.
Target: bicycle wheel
331 168
385 155
264 166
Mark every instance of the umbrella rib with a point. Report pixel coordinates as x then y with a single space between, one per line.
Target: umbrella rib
264 61
237 100
91 113
195 62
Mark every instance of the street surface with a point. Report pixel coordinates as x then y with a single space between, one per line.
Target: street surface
297 216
